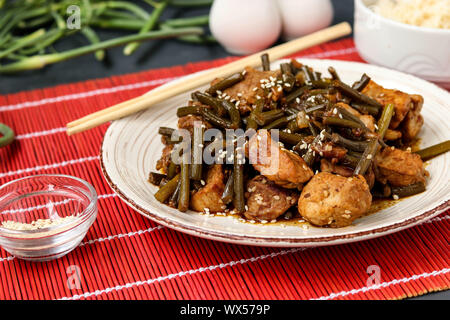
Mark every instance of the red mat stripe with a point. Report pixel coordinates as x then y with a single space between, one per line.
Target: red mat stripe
125 256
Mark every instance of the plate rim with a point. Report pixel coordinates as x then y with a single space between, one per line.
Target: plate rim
271 240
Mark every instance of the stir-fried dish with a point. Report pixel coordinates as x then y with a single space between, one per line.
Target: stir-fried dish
265 143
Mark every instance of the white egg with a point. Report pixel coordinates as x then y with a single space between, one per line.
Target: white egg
245 26
301 17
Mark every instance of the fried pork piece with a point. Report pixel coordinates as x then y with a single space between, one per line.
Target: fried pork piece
329 150
392 135
342 170
413 121
266 200
285 168
402 101
208 198
399 168
244 90
163 163
367 119
187 123
335 201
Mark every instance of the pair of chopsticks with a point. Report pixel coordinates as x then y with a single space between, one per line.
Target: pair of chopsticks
153 97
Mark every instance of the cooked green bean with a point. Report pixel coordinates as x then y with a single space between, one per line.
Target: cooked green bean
265 62
167 190
279 123
385 120
366 109
367 157
155 178
308 74
165 131
320 84
287 77
234 113
269 116
185 111
316 76
409 190
172 170
334 74
315 108
216 120
356 95
238 185
197 153
347 115
212 102
433 151
345 123
361 84
173 200
350 161
183 201
312 128
310 155
251 122
290 138
292 125
297 93
227 195
358 146
225 83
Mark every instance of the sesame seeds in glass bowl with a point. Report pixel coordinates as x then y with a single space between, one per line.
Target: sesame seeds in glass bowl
44 217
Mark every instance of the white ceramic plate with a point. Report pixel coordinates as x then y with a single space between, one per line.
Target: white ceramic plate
132 146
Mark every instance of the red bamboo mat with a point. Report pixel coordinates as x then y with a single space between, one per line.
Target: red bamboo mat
125 256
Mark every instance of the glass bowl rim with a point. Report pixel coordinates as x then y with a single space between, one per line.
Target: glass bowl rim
83 217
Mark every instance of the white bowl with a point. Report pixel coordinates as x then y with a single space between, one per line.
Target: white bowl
424 52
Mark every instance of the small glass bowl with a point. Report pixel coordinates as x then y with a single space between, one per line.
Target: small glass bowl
62 207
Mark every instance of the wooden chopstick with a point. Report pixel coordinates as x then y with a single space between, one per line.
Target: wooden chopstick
147 100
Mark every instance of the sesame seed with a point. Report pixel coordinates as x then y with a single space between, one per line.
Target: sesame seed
396 197
202 182
276 197
297 100
255 88
347 211
369 156
264 221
